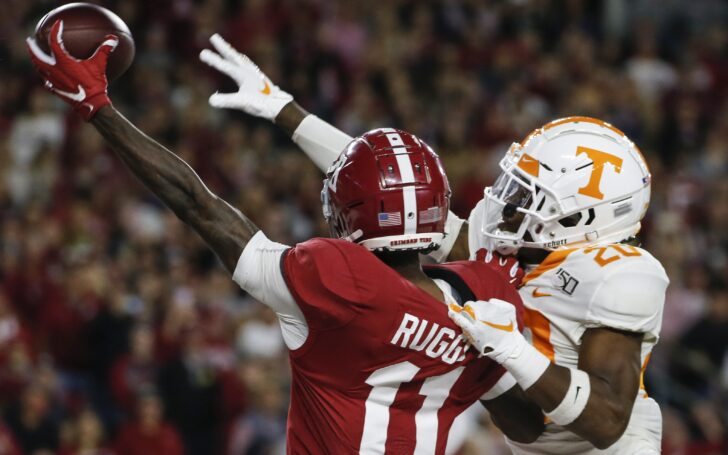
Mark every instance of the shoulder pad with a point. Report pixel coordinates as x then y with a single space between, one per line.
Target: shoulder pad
329 278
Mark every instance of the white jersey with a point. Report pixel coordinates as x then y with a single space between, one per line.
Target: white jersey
572 290
617 286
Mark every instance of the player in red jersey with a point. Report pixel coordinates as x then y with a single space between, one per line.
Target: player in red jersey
378 366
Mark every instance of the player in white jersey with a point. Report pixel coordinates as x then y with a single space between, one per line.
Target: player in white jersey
575 290
569 203
569 200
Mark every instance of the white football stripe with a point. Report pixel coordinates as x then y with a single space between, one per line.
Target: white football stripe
395 140
405 165
408 192
410 206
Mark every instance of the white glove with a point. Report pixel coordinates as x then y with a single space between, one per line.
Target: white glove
257 95
491 327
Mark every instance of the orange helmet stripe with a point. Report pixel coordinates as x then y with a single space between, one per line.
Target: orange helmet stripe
577 118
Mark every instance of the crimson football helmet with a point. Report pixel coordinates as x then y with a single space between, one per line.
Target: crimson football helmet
387 191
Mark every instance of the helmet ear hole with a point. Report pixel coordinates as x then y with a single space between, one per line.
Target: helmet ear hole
571 220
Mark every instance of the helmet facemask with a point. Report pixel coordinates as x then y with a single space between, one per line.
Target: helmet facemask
338 228
512 217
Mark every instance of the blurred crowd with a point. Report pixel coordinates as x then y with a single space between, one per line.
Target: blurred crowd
120 333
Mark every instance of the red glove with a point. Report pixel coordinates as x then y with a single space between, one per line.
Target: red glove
81 83
507 266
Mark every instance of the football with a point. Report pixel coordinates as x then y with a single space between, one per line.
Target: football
84 27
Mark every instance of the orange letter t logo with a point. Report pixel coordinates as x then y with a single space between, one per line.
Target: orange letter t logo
599 159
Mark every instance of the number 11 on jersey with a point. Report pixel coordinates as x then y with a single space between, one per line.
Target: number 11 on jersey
385 384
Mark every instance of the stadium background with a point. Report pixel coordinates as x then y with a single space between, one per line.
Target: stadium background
120 333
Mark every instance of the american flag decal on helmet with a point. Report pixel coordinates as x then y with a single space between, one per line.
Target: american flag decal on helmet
431 215
390 219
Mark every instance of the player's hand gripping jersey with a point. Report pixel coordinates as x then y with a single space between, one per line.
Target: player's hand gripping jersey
617 286
378 367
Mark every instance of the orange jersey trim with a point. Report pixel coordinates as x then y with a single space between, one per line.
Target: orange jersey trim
552 261
540 331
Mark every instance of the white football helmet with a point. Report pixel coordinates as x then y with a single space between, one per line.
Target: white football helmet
574 181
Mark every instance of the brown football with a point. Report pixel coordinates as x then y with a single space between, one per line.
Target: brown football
84 28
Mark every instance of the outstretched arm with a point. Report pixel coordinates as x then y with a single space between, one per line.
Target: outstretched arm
83 84
223 227
322 142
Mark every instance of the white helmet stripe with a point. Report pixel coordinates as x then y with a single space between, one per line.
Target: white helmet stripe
407 175
405 165
408 192
410 210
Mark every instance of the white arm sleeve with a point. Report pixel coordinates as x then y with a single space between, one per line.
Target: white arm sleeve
259 273
453 224
321 141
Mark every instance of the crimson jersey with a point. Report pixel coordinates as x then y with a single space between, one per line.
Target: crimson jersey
383 368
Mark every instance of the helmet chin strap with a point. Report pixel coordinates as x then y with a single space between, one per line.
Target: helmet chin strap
354 236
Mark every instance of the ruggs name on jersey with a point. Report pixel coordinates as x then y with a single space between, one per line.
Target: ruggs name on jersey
442 342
